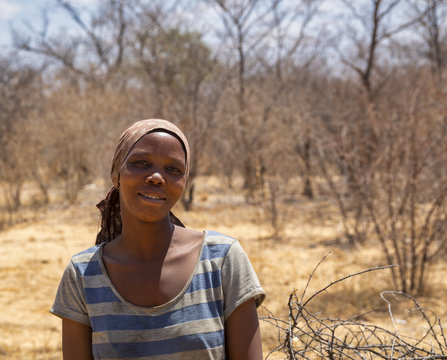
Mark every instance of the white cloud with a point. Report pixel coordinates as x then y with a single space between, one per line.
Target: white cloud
8 9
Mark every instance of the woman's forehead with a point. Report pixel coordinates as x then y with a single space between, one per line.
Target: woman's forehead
161 141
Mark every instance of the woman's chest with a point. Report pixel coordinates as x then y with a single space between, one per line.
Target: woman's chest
150 284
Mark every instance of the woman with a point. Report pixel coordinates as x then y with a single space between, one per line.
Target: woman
150 288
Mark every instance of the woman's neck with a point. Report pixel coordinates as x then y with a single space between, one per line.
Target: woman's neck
141 240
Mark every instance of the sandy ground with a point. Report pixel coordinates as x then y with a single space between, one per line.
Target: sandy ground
34 254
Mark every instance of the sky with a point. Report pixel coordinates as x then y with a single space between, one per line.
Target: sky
17 13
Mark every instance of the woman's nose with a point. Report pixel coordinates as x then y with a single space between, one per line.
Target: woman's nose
155 178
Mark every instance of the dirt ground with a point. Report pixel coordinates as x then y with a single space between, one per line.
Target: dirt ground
34 253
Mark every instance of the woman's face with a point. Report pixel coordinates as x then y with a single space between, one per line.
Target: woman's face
152 177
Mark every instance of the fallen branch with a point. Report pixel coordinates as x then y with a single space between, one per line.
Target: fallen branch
305 335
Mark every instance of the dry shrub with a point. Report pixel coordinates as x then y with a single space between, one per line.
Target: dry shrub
305 334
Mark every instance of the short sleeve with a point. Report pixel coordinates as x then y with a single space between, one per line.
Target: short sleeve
239 280
70 301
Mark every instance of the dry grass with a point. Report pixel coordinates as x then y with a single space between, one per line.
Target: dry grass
33 256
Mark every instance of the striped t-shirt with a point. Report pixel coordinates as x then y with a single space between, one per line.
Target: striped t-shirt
190 326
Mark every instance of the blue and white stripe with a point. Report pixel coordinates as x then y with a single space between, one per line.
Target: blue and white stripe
190 326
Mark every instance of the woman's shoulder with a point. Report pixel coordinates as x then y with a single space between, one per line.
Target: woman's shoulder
215 237
207 237
216 245
86 256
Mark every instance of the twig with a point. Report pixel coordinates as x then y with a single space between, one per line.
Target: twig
348 277
310 336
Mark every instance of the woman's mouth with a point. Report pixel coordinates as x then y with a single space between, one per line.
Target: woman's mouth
153 197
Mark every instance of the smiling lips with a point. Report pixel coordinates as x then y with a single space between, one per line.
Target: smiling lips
153 197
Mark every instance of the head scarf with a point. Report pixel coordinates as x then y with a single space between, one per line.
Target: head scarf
111 225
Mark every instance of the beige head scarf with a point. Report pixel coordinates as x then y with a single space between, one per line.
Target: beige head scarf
109 207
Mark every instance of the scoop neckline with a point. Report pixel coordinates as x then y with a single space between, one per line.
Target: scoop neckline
157 308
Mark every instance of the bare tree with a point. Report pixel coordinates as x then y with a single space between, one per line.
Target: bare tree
273 44
94 54
371 29
352 128
20 94
296 48
405 188
432 14
242 21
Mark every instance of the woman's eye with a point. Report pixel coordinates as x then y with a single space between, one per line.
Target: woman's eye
141 163
174 170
